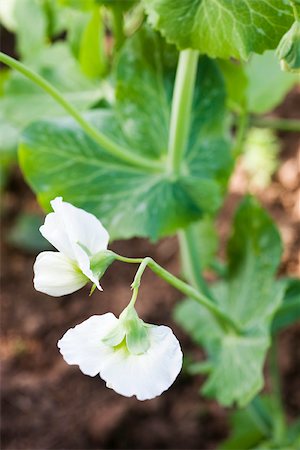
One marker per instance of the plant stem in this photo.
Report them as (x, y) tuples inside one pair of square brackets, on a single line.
[(181, 109), (225, 321), (108, 145), (276, 124), (191, 258), (279, 416)]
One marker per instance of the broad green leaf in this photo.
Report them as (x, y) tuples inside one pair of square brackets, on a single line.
[(221, 28), (289, 311), (132, 201), (23, 102), (252, 297), (267, 83)]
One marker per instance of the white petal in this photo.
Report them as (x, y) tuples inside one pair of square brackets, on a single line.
[(148, 375), (56, 275), (69, 225), (83, 262), (83, 344)]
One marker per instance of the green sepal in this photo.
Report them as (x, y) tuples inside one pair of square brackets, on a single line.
[(137, 335), (101, 261), (288, 50)]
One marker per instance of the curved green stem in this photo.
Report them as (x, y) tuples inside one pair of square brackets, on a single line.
[(108, 145), (225, 321), (191, 258), (276, 124), (181, 109)]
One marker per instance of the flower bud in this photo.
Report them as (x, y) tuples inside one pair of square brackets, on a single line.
[(288, 50)]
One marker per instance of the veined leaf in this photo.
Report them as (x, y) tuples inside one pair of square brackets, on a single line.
[(221, 28), (132, 201), (252, 296)]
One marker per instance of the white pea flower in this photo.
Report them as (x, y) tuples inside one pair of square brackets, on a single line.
[(82, 255), (134, 358)]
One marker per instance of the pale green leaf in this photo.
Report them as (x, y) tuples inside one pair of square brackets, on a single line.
[(221, 28)]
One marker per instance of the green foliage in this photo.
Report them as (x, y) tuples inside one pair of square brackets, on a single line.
[(221, 28), (252, 297), (25, 234), (267, 84), (92, 53), (23, 102), (289, 311), (257, 86), (288, 50), (130, 201), (255, 428)]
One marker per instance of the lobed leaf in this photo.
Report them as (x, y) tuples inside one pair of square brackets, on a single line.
[(221, 28)]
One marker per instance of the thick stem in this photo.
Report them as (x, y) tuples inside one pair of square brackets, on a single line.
[(276, 124), (224, 320), (181, 109), (107, 144), (191, 259)]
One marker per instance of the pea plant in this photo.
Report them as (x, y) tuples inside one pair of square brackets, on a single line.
[(129, 118)]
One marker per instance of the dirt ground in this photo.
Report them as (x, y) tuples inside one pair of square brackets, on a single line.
[(47, 404)]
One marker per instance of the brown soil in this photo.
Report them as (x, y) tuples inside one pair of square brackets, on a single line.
[(50, 405)]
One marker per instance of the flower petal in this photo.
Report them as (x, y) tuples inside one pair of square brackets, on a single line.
[(147, 375), (84, 264), (69, 225), (55, 274), (83, 344)]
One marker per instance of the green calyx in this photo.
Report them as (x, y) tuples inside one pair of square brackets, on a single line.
[(288, 50), (101, 261), (131, 333)]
